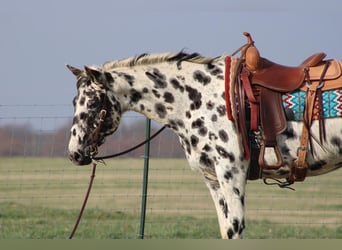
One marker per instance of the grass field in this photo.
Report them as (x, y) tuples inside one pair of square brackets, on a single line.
[(41, 197)]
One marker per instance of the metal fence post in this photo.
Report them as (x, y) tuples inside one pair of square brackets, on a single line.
[(145, 181)]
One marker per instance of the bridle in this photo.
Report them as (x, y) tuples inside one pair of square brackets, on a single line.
[(96, 136), (97, 133)]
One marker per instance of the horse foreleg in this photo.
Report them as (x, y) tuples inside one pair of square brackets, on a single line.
[(221, 209), (232, 182)]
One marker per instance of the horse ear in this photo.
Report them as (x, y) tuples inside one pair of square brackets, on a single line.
[(94, 74), (77, 72)]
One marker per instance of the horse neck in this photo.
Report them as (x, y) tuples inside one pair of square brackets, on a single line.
[(167, 91)]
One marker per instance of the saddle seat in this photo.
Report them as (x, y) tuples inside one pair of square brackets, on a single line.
[(282, 78), (278, 77)]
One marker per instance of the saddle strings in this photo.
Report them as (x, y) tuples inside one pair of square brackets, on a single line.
[(279, 183)]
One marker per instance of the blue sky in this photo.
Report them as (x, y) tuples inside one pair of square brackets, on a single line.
[(39, 37)]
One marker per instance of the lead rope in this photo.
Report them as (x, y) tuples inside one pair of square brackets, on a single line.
[(93, 176), (101, 158), (84, 202)]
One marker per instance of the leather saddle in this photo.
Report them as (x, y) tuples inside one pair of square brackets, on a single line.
[(263, 83)]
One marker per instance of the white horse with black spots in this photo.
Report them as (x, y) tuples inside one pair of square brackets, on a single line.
[(186, 93)]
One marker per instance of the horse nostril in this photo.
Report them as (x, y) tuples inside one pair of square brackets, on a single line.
[(79, 159), (77, 156)]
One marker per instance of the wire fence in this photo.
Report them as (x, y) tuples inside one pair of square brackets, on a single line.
[(41, 191)]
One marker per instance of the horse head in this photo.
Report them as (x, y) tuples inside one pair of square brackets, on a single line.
[(96, 114)]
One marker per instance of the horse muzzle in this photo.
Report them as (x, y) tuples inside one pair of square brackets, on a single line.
[(79, 159)]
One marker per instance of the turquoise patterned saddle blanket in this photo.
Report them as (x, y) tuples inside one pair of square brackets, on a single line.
[(294, 104)]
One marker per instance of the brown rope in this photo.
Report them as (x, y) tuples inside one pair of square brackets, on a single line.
[(84, 202), (93, 175), (101, 158)]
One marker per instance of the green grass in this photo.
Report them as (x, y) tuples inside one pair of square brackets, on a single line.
[(26, 222), (40, 198)]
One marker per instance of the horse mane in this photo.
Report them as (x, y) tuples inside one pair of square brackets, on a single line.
[(147, 59)]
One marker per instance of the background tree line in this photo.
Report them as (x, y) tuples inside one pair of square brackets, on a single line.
[(23, 140)]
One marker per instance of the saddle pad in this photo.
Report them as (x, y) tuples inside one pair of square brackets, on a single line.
[(294, 103)]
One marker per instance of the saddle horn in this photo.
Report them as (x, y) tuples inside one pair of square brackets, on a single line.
[(251, 53), (249, 38)]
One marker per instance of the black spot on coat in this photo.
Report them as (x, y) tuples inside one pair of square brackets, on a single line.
[(223, 135), (203, 131), (337, 142), (210, 105), (213, 69), (160, 110), (207, 148), (230, 233), (236, 225), (135, 96), (228, 175), (156, 93), (82, 101), (194, 140), (175, 124), (195, 97), (221, 110), (206, 161), (290, 133), (317, 165), (168, 97), (225, 154), (201, 77), (224, 206), (109, 77), (175, 83), (198, 123), (83, 116), (187, 146), (236, 191), (158, 78)]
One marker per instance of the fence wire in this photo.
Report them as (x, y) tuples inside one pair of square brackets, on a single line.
[(41, 191)]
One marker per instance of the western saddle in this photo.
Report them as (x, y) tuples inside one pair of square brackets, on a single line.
[(259, 86)]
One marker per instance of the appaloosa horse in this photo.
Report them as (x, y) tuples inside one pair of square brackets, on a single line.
[(186, 92)]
